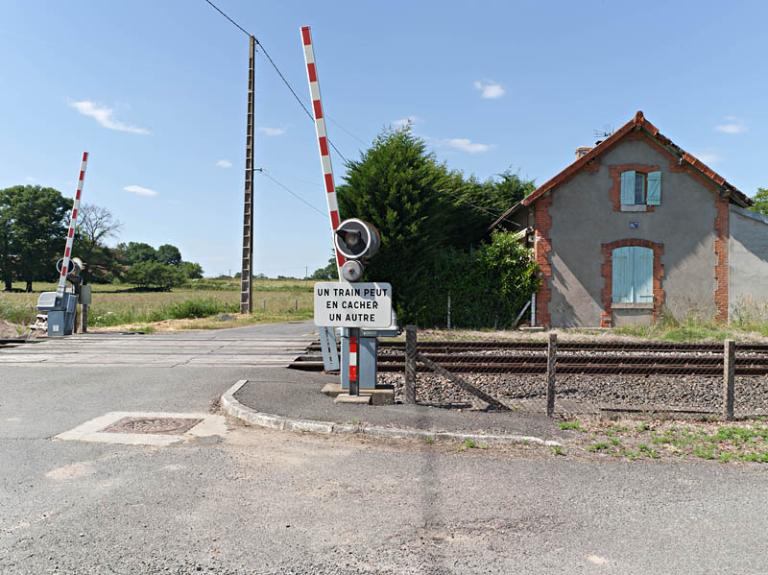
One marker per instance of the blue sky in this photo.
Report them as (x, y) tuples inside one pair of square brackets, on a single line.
[(156, 92)]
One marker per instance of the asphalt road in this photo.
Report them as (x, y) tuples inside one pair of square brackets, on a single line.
[(259, 501)]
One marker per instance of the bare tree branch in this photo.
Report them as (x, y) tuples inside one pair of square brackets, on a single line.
[(97, 224)]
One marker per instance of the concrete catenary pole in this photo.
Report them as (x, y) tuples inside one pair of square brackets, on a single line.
[(246, 270)]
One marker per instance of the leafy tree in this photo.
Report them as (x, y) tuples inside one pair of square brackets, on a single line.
[(329, 272), (761, 201), (479, 204), (168, 254), (149, 274), (396, 186), (513, 271), (434, 230), (33, 220), (488, 286), (6, 254), (136, 252), (191, 270)]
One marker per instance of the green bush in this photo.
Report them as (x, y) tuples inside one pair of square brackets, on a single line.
[(155, 274), (18, 314), (488, 286), (195, 308)]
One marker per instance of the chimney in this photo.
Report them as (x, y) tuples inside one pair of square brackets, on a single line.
[(582, 151)]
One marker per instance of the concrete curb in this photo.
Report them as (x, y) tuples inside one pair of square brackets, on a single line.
[(249, 416)]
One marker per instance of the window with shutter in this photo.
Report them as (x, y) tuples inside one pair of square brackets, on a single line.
[(627, 188), (654, 189), (640, 189), (640, 180), (632, 276)]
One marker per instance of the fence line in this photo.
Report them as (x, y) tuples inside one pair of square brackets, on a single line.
[(492, 370)]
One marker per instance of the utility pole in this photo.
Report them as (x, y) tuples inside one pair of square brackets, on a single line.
[(246, 273)]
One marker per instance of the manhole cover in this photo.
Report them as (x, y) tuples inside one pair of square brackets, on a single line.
[(153, 425)]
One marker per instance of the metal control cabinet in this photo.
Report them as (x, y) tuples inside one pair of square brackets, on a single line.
[(60, 311), (367, 352)]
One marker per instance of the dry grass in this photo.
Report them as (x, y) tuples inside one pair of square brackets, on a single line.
[(116, 306)]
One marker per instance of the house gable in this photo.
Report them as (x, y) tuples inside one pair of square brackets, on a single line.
[(678, 159), (581, 221)]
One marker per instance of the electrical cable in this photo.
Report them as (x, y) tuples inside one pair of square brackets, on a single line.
[(294, 194), (477, 207), (282, 76), (220, 11)]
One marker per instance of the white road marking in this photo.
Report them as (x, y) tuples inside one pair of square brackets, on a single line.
[(159, 351)]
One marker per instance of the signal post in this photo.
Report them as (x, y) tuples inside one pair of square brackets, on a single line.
[(363, 310)]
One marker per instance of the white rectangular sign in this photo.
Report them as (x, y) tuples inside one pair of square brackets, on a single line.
[(342, 304)]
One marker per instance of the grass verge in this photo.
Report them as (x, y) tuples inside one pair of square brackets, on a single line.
[(119, 306), (745, 441)]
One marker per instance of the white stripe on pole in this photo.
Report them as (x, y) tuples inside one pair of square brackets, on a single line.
[(72, 226)]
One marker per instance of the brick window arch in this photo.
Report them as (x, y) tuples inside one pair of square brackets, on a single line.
[(607, 272)]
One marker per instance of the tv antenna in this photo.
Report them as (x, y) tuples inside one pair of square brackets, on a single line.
[(606, 132)]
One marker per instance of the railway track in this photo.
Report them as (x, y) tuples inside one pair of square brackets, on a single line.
[(663, 347), (605, 358), (13, 342)]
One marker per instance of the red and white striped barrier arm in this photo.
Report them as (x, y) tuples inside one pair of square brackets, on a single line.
[(72, 225), (322, 136)]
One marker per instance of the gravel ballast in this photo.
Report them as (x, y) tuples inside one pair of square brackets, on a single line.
[(692, 392)]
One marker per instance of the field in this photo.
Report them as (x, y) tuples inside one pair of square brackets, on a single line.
[(205, 304)]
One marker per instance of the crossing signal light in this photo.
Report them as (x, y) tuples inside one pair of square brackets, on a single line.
[(357, 241)]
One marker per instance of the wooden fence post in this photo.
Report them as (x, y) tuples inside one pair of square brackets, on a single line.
[(551, 362), (410, 364), (729, 372)]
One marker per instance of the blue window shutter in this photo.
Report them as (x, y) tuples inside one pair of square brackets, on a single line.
[(627, 188), (642, 274), (622, 275), (654, 189)]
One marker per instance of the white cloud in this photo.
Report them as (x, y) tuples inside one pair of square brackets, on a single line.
[(731, 128), (732, 125), (272, 131), (223, 164), (30, 179), (467, 145), (489, 89), (709, 157), (407, 121), (104, 116), (140, 191)]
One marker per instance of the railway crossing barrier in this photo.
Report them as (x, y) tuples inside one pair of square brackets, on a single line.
[(60, 306)]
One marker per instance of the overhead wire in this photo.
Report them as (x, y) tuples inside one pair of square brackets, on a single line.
[(282, 77), (294, 194), (311, 117), (220, 11), (456, 196)]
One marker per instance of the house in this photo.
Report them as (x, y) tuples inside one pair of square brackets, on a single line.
[(635, 227)]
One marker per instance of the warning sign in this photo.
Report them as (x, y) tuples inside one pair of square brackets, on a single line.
[(341, 304)]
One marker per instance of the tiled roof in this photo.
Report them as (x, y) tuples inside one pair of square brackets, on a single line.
[(637, 123)]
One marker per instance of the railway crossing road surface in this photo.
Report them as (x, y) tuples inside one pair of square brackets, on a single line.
[(247, 500), (273, 345)]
